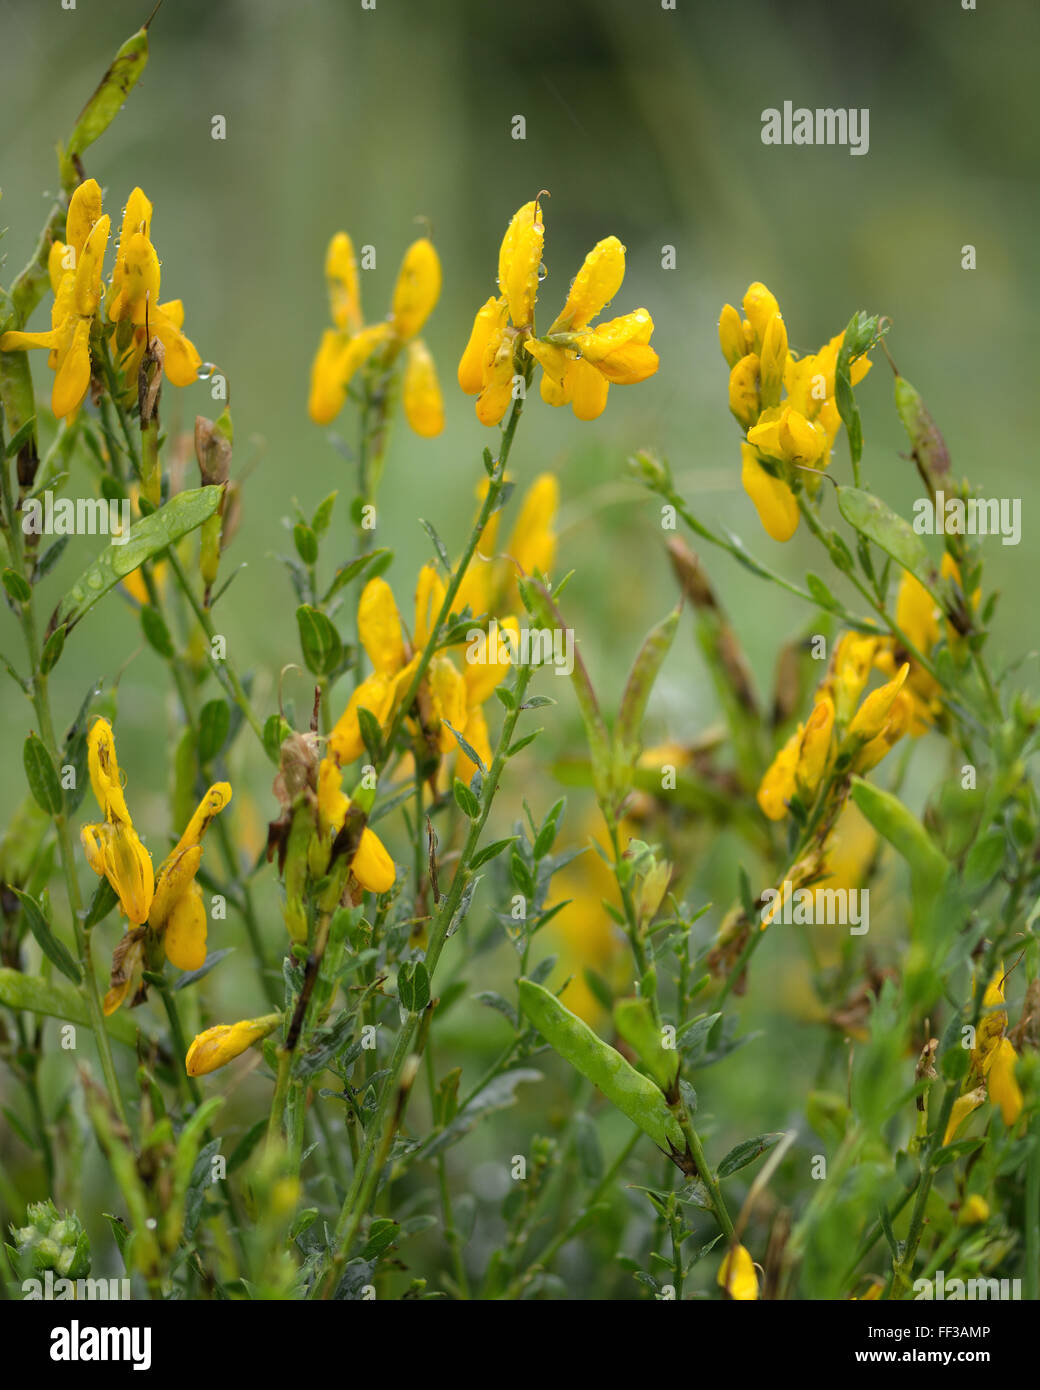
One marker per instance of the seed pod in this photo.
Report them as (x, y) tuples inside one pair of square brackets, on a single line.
[(930, 452), (633, 1094), (634, 1020)]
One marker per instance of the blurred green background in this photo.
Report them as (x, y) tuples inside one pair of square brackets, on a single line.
[(641, 122)]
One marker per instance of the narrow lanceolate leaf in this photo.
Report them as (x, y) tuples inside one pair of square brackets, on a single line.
[(894, 535), (628, 733), (47, 941), (147, 538), (746, 1152), (861, 334), (41, 775), (56, 999), (633, 1094), (214, 723)]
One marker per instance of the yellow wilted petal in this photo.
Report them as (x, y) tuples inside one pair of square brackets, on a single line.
[(103, 766), (225, 1041), (519, 260), (595, 285), (418, 288), (341, 274), (423, 404), (175, 877), (774, 501), (185, 937), (372, 866), (379, 627), (206, 812), (488, 323), (84, 211), (737, 1275), (114, 997), (128, 868), (1004, 1090)]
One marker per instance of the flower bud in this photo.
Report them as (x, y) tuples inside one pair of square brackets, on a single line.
[(418, 288), (744, 399), (221, 1044), (732, 339)]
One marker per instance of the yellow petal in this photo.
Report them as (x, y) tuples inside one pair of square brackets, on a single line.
[(429, 596), (92, 839), (423, 404), (379, 627), (870, 718), (519, 261), (814, 750), (532, 543), (1004, 1090), (87, 281), (774, 501), (344, 291), (744, 400), (185, 937), (497, 394), (176, 875), (732, 340), (372, 866), (488, 323), (103, 766), (448, 694), (72, 379), (328, 387), (333, 803), (962, 1108), (482, 677), (375, 694), (737, 1275), (760, 308), (225, 1041), (588, 390), (778, 784), (211, 805), (84, 211), (418, 288), (128, 868), (594, 286)]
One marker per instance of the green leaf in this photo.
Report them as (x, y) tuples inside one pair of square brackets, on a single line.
[(41, 775), (746, 1152), (52, 650), (322, 648), (628, 734), (156, 633), (323, 514), (438, 545), (306, 543), (20, 437), (214, 723), (413, 986), (490, 851), (466, 801), (356, 567), (48, 942), (146, 539), (894, 535), (101, 904), (16, 585)]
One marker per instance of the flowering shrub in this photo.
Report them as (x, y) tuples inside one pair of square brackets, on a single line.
[(414, 819)]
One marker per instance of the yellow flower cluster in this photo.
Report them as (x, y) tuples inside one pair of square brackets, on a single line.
[(169, 905), (446, 696), (75, 267), (348, 345), (579, 361), (782, 432), (839, 726), (993, 1059)]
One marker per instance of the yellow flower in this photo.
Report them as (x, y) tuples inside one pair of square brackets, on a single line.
[(169, 904), (873, 713), (578, 361), (778, 785), (814, 750), (774, 501), (133, 299), (974, 1210), (371, 865), (113, 848), (738, 1276), (221, 1044), (1004, 1090), (75, 270), (796, 432), (346, 347)]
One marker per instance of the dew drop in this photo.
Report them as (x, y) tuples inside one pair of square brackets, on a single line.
[(206, 370), (542, 271)]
